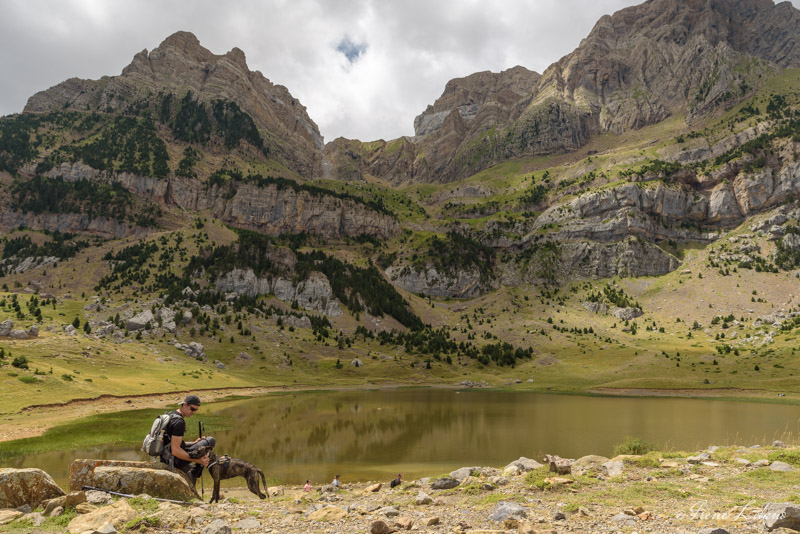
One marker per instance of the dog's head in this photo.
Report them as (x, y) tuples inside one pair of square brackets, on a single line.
[(202, 451)]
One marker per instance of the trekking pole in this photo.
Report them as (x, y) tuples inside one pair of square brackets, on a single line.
[(199, 437), (127, 496)]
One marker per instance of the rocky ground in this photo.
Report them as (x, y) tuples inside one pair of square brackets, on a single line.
[(722, 489)]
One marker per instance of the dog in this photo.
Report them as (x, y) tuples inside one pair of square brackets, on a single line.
[(225, 467)]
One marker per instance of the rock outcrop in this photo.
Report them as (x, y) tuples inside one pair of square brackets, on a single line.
[(159, 483), (429, 281), (116, 515), (180, 64), (19, 487)]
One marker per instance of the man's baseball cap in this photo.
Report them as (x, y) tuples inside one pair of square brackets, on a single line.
[(192, 400)]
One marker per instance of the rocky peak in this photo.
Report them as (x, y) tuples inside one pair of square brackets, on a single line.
[(180, 64)]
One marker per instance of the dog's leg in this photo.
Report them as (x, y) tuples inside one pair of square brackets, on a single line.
[(264, 480), (252, 482)]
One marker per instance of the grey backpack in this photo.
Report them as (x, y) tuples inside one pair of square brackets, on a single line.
[(153, 443)]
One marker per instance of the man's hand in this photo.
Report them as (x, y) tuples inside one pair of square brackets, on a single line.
[(204, 461)]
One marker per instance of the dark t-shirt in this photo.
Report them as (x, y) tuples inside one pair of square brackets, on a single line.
[(175, 427)]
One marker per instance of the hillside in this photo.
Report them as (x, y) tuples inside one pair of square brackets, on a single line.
[(170, 228)]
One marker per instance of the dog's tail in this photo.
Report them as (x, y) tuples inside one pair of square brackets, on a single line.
[(264, 480)]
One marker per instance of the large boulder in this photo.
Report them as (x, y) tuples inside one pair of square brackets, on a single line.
[(781, 515), (464, 472), (6, 327), (587, 464), (508, 510), (81, 472), (19, 487), (136, 480), (166, 316), (139, 321), (524, 465), (444, 483), (116, 515)]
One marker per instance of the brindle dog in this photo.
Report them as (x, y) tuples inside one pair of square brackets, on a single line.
[(225, 467)]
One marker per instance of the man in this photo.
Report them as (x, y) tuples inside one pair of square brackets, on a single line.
[(396, 482), (176, 450)]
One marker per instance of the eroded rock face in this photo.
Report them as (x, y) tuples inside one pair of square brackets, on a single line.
[(116, 514), (429, 281), (314, 293), (137, 480), (19, 487)]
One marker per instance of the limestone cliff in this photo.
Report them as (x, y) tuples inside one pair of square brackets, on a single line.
[(181, 64)]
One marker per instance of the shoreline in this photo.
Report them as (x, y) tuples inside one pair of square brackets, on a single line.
[(34, 420)]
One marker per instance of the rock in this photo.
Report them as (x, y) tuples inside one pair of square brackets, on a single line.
[(702, 457), (781, 515), (7, 516), (31, 487), (166, 317), (19, 334), (137, 480), (6, 327), (562, 466), (98, 497), (781, 466), (713, 530), (625, 519), (35, 518), (587, 464), (499, 481), (423, 498), (381, 527), (116, 514), (511, 471), (140, 320), (389, 511), (626, 314), (373, 488), (86, 508), (70, 500), (249, 523), (461, 283), (559, 516), (195, 350), (464, 472), (444, 483), (56, 512), (432, 521), (70, 330), (761, 463), (778, 443), (524, 465), (218, 526), (404, 523), (613, 468), (508, 510), (33, 331), (328, 513), (356, 363), (743, 461)]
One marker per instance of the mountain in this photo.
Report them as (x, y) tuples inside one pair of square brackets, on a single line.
[(181, 66), (636, 68)]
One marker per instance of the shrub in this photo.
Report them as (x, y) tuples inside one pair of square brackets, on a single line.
[(20, 362), (633, 446)]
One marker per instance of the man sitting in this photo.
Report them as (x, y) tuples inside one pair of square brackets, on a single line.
[(178, 453)]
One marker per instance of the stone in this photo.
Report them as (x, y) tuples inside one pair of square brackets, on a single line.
[(381, 527), (70, 500), (195, 350), (781, 515), (357, 363), (33, 331), (116, 514), (525, 527), (137, 480), (19, 334), (702, 457), (56, 512), (444, 483), (35, 518), (508, 510), (778, 443), (464, 472), (404, 523), (524, 465), (613, 468), (625, 519), (328, 513), (6, 327), (98, 497), (587, 464), (626, 314), (7, 516), (432, 521), (423, 498), (373, 488), (140, 320), (559, 516), (781, 466), (106, 529), (389, 511), (713, 530), (31, 487), (743, 461), (561, 466), (86, 508), (218, 526)]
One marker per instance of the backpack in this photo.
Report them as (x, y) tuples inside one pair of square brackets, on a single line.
[(153, 443)]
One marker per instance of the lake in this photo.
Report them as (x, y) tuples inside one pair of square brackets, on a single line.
[(373, 435)]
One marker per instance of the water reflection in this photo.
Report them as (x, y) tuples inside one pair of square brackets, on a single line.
[(372, 435)]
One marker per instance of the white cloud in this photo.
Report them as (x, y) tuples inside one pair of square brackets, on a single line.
[(404, 51)]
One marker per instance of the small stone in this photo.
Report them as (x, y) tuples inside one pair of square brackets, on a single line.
[(669, 464), (743, 461), (249, 523), (584, 512), (404, 523), (56, 512), (7, 516), (778, 444), (35, 518), (380, 527), (781, 466), (423, 498), (713, 530), (218, 526), (559, 516), (508, 510), (431, 521), (638, 510), (390, 511), (702, 457), (444, 483), (85, 508), (373, 488)]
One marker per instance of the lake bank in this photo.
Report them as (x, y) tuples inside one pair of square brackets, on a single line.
[(657, 492)]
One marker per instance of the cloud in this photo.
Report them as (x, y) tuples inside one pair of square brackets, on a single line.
[(363, 68)]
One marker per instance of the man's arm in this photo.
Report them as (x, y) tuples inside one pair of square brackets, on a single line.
[(178, 452)]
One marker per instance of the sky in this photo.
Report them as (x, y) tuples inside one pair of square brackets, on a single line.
[(363, 68)]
